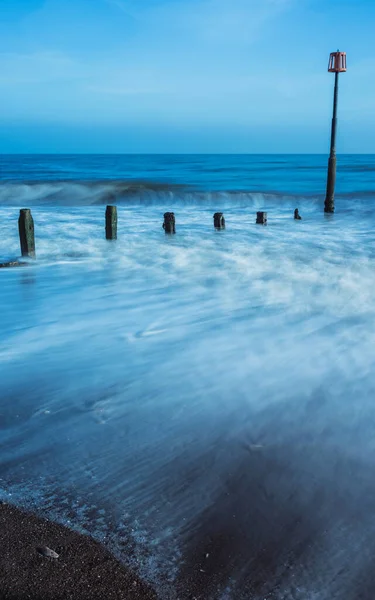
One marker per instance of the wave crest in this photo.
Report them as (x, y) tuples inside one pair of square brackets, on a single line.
[(88, 193)]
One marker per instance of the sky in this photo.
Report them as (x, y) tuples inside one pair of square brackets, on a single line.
[(176, 76)]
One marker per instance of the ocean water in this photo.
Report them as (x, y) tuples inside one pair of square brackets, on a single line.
[(201, 403)]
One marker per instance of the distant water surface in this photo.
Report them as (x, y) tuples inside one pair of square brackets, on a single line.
[(90, 179)]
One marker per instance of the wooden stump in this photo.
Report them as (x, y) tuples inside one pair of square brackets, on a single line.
[(26, 232), (219, 221), (111, 223), (169, 224), (261, 218)]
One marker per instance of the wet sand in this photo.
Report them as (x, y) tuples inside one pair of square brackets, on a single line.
[(84, 570)]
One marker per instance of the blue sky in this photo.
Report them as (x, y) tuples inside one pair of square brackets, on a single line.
[(184, 75)]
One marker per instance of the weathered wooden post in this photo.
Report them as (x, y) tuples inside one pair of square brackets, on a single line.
[(169, 224), (297, 216), (111, 223), (337, 64), (219, 221), (26, 232), (261, 218)]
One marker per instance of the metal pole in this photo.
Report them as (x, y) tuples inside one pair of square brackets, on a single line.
[(329, 204)]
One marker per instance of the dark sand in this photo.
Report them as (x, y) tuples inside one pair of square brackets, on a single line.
[(85, 570)]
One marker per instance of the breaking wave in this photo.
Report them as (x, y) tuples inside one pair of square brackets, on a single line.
[(132, 193)]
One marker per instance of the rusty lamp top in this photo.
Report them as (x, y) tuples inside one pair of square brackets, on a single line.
[(337, 62)]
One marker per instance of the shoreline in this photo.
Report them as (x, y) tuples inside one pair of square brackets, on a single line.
[(84, 570)]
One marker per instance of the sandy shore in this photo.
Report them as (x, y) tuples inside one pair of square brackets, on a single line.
[(84, 569)]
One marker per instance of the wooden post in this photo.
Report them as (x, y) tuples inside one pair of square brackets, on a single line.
[(261, 218), (111, 223), (26, 231), (169, 224), (219, 221)]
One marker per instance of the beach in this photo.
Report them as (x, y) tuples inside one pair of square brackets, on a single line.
[(84, 569)]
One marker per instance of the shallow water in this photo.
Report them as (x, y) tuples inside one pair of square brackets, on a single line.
[(203, 403)]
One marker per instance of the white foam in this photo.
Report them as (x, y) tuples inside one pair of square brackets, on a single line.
[(161, 358)]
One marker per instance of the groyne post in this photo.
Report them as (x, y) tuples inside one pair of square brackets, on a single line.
[(111, 223), (261, 218), (169, 224), (219, 221), (26, 233), (337, 64)]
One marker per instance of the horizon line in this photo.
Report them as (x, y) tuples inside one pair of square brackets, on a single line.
[(184, 153)]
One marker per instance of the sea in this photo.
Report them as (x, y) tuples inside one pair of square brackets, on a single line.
[(201, 403)]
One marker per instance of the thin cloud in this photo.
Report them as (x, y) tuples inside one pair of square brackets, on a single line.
[(123, 91), (125, 7), (37, 67), (205, 20)]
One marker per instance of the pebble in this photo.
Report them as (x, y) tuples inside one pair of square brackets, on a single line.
[(47, 552)]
